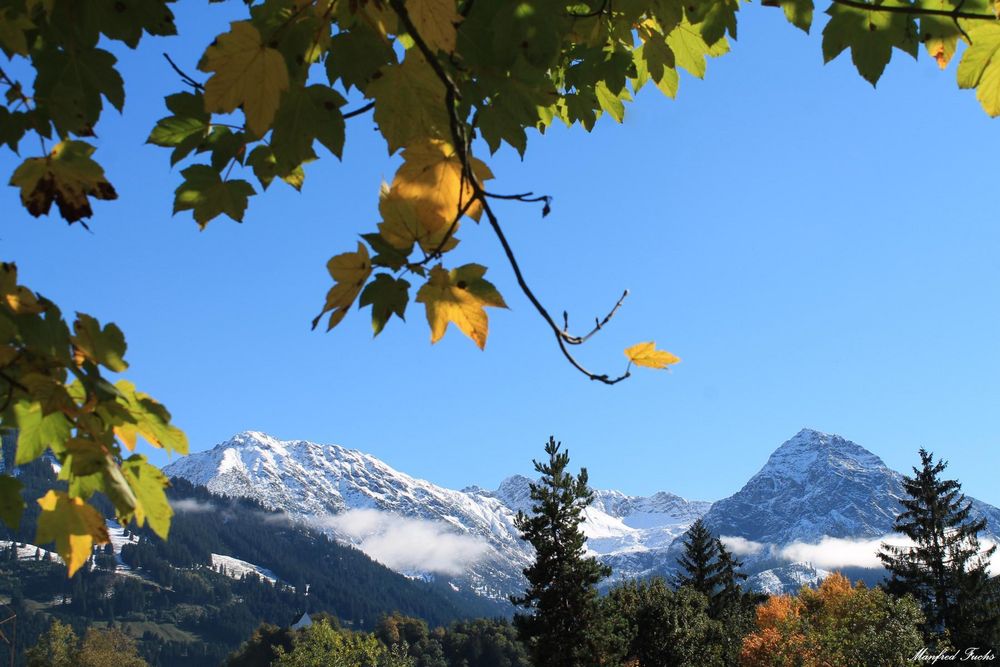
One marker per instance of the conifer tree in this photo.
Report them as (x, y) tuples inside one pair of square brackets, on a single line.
[(709, 568), (563, 628), (729, 594), (946, 568), (700, 561)]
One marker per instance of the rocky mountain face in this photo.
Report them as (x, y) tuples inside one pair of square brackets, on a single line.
[(815, 486), (382, 511)]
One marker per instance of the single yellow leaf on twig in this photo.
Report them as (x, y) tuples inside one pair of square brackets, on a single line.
[(349, 270), (73, 525), (431, 178), (459, 296), (247, 73), (646, 354)]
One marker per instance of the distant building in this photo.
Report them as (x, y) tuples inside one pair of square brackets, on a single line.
[(303, 622)]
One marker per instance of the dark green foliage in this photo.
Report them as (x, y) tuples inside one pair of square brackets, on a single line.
[(261, 649), (709, 568), (657, 626), (564, 625), (701, 569), (946, 569)]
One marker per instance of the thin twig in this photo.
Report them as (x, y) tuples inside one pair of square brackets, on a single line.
[(181, 73), (916, 10), (359, 111)]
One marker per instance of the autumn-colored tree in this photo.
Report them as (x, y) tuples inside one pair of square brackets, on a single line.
[(55, 648), (107, 648), (446, 81), (322, 645), (836, 624)]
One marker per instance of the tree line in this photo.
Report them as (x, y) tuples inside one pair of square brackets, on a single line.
[(938, 600)]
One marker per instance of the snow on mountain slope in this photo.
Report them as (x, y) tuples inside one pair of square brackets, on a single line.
[(818, 485), (330, 486), (816, 494)]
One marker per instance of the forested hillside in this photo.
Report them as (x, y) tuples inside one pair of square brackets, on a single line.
[(169, 595)]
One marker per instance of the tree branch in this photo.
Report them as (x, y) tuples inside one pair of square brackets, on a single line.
[(956, 13), (184, 76), (359, 111), (461, 144)]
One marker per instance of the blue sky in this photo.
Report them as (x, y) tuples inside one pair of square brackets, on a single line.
[(818, 253)]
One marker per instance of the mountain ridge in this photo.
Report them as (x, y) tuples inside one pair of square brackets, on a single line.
[(814, 486)]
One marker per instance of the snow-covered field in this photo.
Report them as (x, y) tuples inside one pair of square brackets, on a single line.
[(236, 568)]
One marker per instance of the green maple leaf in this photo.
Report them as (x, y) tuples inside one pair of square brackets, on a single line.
[(387, 296), (871, 36), (11, 503), (307, 114), (70, 85), (208, 196)]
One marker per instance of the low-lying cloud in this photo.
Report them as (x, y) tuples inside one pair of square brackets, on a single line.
[(191, 505), (831, 553), (741, 546), (407, 544)]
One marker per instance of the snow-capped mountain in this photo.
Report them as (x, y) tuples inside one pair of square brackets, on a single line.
[(819, 485), (814, 487), (354, 495)]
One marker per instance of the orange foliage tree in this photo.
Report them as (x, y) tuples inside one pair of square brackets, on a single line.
[(836, 624)]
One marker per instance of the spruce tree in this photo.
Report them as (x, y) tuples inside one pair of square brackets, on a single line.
[(563, 628), (946, 568), (730, 594), (709, 568), (700, 567)]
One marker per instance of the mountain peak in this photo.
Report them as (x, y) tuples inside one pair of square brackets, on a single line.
[(809, 450)]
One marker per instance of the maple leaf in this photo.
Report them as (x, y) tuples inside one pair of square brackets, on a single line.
[(246, 73), (431, 178), (387, 296), (73, 525), (105, 346), (67, 176), (401, 227), (148, 484), (349, 270), (11, 503), (409, 103), (980, 67), (459, 296), (208, 196), (147, 418), (646, 354), (435, 20)]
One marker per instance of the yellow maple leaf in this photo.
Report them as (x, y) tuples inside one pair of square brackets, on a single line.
[(435, 20), (459, 296), (247, 73), (431, 178), (349, 270), (646, 354), (73, 525), (401, 228)]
